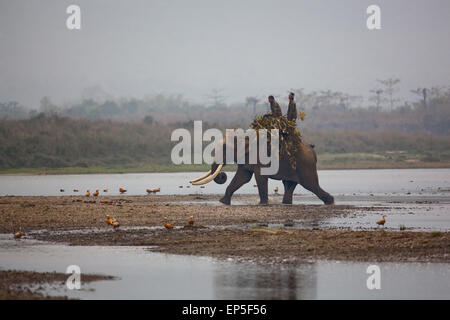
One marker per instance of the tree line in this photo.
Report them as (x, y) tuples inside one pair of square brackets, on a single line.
[(325, 110), (55, 142)]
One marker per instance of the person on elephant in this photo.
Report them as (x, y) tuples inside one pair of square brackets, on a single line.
[(292, 108), (274, 107)]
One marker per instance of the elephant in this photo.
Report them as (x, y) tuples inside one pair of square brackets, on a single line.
[(304, 174)]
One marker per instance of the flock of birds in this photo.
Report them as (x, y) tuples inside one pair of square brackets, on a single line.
[(115, 224), (121, 191), (149, 191), (169, 226)]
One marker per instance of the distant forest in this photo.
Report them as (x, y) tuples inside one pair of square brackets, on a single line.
[(105, 132), (326, 110)]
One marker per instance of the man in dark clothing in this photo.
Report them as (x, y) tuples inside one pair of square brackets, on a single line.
[(292, 109), (274, 107)]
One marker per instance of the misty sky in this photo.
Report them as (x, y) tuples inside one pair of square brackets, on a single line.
[(136, 48)]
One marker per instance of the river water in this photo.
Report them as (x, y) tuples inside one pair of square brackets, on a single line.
[(416, 198), (395, 182), (143, 274)]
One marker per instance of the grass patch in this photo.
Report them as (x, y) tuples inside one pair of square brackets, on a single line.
[(380, 160)]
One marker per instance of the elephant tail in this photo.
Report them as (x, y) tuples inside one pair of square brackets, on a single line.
[(314, 152)]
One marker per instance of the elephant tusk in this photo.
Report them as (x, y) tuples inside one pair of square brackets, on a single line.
[(210, 178), (202, 177)]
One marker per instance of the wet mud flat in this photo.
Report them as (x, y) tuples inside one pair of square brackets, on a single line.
[(18, 285), (274, 246), (71, 212), (243, 231)]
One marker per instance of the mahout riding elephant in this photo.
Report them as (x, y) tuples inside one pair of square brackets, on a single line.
[(304, 173)]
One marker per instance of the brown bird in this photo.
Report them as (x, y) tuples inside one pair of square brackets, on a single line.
[(105, 190), (122, 190), (149, 191), (382, 221), (156, 190), (88, 193), (191, 221), (180, 187), (61, 190), (115, 224), (76, 190), (95, 194), (18, 234), (276, 189), (167, 224), (108, 220)]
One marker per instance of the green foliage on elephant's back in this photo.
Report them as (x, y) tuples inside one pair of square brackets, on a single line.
[(290, 136)]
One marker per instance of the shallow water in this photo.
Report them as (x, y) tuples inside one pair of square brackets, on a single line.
[(418, 199), (336, 182), (147, 275)]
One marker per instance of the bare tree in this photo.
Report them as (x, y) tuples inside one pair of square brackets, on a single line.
[(216, 97), (252, 102), (376, 97), (423, 93), (48, 107), (346, 100), (390, 89)]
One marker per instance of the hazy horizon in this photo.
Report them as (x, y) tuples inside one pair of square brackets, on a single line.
[(138, 48)]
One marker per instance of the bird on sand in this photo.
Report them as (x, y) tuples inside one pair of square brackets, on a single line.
[(115, 224), (191, 221), (202, 187), (95, 194), (88, 193), (167, 224), (76, 190), (108, 220), (105, 190), (180, 187), (156, 190), (61, 190), (122, 190), (18, 234), (382, 221), (149, 191)]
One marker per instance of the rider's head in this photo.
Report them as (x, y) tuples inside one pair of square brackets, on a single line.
[(271, 99)]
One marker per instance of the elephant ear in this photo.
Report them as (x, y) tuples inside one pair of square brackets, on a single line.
[(221, 178)]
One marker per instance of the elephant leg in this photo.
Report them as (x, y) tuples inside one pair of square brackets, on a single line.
[(262, 182), (241, 177), (310, 181), (289, 187)]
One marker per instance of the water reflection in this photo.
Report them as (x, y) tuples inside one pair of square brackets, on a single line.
[(275, 282), (147, 275)]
